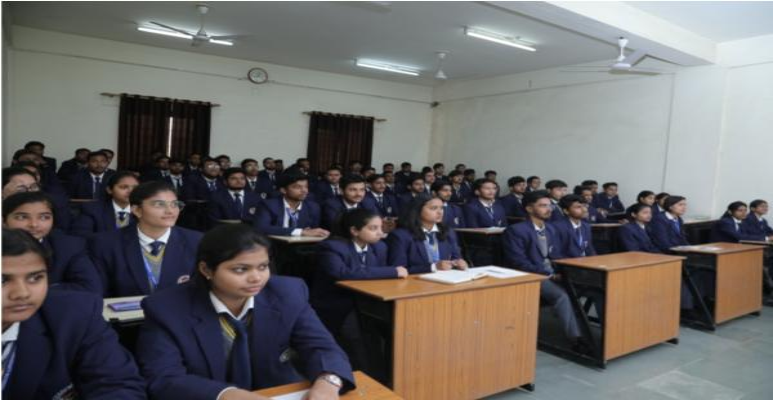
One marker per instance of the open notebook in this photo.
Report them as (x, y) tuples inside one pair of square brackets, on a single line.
[(454, 276)]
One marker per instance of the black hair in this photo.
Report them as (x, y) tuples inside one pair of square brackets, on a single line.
[(350, 180), (410, 219), (489, 172), (22, 152), (351, 163), (389, 164), (469, 171), (17, 242), (81, 149), (426, 169), (209, 159), (374, 178), (754, 204), (531, 179), (231, 171), (10, 172), (568, 200), (365, 169), (112, 153), (333, 168), (643, 194), (661, 196), (159, 158), (286, 180), (11, 203), (223, 156), (608, 185), (116, 177), (438, 185), (356, 217), (532, 197), (671, 200), (223, 243), (555, 183), (414, 178), (455, 173), (515, 180), (176, 161), (480, 182), (247, 161), (437, 165), (97, 154), (635, 209), (300, 160), (733, 207), (581, 188), (405, 164), (589, 182), (34, 143), (147, 190)]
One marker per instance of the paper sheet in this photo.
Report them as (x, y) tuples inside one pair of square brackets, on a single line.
[(291, 396)]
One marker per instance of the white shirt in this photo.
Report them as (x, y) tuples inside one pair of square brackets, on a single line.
[(286, 220), (349, 206), (575, 226), (359, 249), (435, 230), (221, 308), (485, 203), (100, 176), (669, 216), (117, 209), (12, 333), (234, 192), (146, 240), (176, 178)]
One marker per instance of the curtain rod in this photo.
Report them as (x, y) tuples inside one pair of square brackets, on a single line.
[(153, 97), (344, 115)]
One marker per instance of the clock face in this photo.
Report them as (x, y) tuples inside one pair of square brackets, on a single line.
[(257, 75)]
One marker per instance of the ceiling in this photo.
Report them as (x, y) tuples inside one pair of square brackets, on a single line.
[(719, 21), (328, 36)]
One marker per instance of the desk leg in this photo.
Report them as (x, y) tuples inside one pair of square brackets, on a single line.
[(528, 387), (705, 316), (377, 325)]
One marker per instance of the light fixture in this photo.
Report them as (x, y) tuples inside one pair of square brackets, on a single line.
[(398, 69), (441, 55), (163, 32), (498, 38), (223, 42)]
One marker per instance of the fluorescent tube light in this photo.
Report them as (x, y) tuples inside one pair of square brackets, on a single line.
[(497, 38), (398, 69), (223, 42), (163, 32)]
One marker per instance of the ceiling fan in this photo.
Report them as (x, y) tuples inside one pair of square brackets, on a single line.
[(622, 65), (198, 38), (439, 74)]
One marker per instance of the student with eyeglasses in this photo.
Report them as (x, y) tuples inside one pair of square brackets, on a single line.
[(151, 255)]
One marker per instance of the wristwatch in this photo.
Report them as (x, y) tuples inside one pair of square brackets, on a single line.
[(332, 379)]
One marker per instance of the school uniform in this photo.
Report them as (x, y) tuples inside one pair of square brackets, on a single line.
[(70, 268), (155, 174), (576, 240), (274, 218), (731, 230), (530, 249), (263, 188), (61, 208), (390, 189), (49, 165), (468, 193), (556, 213), (478, 215), (402, 179), (385, 203), (323, 190), (634, 237), (191, 170), (270, 177), (513, 205), (344, 260), (70, 168), (67, 350), (131, 265), (186, 345), (199, 187), (233, 204), (593, 215), (421, 255), (101, 216), (177, 182), (458, 195), (613, 205), (85, 185), (453, 216), (755, 225), (335, 206)]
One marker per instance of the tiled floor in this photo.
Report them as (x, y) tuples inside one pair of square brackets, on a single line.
[(734, 362)]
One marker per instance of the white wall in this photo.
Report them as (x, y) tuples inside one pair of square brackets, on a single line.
[(57, 80)]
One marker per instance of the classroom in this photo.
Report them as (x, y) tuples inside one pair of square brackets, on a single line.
[(419, 200)]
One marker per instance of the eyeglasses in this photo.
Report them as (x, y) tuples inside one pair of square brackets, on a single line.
[(31, 188), (161, 204)]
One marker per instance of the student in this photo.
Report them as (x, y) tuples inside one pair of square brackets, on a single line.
[(269, 173), (71, 267), (355, 167), (160, 170), (56, 344), (25, 177), (586, 192), (460, 193), (453, 216), (367, 172), (303, 166), (199, 187), (513, 201), (240, 328), (468, 182), (573, 231), (291, 214), (755, 223), (90, 183), (110, 155), (609, 202), (19, 180), (490, 175), (415, 187), (109, 215), (330, 187), (153, 254), (279, 166), (422, 243), (193, 166), (402, 177), (176, 177), (388, 168), (233, 203), (262, 187), (72, 166), (660, 199), (646, 197), (634, 236), (352, 196), (224, 161), (593, 185), (355, 253), (389, 180), (730, 227), (49, 163), (386, 203), (533, 183), (440, 172), (484, 211), (556, 190), (429, 179), (532, 246)]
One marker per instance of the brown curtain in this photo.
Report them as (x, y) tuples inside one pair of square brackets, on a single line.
[(337, 138), (190, 128), (142, 129)]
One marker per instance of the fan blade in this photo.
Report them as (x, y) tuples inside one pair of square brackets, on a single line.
[(591, 67), (633, 72), (634, 57), (229, 37), (582, 71), (173, 29)]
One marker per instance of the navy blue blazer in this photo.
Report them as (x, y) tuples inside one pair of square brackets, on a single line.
[(71, 268), (453, 216), (94, 217), (570, 245), (119, 259), (519, 244), (406, 251), (338, 260), (263, 175), (476, 216), (270, 217), (724, 231), (263, 188), (168, 179), (633, 238), (221, 206), (405, 199), (664, 234), (613, 205), (62, 207), (593, 215), (68, 169), (335, 206), (755, 226), (513, 206), (67, 348), (322, 191), (459, 196), (81, 185), (389, 206), (195, 187), (556, 213), (180, 346)]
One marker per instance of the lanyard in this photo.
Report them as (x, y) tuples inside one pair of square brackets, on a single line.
[(9, 365), (149, 270)]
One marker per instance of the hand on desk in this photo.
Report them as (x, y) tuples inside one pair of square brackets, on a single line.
[(322, 390), (460, 264), (402, 272), (444, 265), (315, 232)]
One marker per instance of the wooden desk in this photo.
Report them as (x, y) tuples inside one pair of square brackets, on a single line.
[(449, 342), (605, 237), (295, 255), (367, 389), (767, 272), (641, 301), (737, 269), (481, 246)]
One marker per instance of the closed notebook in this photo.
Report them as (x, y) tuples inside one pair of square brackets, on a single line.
[(452, 277)]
